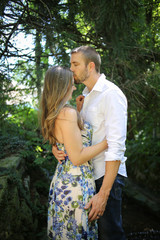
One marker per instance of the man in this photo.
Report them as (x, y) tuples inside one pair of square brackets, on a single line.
[(104, 106)]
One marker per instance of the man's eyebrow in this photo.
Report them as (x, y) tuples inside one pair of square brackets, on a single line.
[(74, 62)]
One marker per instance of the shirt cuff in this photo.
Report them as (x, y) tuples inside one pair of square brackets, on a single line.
[(109, 156)]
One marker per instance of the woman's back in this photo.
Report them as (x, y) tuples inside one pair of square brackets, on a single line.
[(70, 190)]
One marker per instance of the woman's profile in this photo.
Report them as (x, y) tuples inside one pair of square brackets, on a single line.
[(73, 184)]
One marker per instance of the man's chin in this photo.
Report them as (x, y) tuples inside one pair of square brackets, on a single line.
[(76, 81)]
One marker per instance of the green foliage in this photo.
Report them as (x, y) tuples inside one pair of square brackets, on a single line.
[(143, 147), (126, 34), (143, 162), (21, 134), (5, 88), (10, 144)]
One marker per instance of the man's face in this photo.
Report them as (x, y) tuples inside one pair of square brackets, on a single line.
[(79, 68)]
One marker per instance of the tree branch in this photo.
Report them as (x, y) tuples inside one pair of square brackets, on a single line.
[(10, 35)]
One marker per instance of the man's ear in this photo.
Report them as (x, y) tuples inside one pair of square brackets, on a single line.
[(91, 66)]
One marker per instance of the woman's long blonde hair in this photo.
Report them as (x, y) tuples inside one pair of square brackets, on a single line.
[(56, 90)]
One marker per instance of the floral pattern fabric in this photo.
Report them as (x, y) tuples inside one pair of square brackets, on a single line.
[(70, 190)]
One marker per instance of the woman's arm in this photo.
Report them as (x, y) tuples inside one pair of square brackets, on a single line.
[(72, 139)]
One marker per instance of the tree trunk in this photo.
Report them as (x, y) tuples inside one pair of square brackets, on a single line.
[(38, 54)]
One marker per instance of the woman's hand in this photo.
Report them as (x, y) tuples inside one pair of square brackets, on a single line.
[(79, 102), (59, 155)]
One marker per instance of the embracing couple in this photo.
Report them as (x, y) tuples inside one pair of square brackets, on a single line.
[(89, 143)]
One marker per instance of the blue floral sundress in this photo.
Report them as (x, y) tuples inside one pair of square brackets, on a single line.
[(71, 188)]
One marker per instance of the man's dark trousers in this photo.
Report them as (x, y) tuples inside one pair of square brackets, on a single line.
[(110, 224)]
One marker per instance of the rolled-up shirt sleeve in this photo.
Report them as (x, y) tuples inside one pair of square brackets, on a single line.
[(115, 125)]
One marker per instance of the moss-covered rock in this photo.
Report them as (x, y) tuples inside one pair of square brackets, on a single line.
[(20, 204), (143, 197)]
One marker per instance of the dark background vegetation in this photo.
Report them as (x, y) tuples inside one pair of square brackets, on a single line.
[(127, 36)]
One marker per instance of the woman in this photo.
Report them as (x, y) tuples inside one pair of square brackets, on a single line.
[(72, 185)]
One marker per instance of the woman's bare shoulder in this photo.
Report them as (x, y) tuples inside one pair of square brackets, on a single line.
[(67, 113)]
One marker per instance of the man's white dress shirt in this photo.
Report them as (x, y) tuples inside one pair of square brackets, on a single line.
[(105, 108)]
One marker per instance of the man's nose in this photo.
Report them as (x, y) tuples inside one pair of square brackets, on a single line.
[(71, 68)]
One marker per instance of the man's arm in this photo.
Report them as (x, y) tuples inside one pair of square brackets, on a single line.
[(115, 116), (99, 201)]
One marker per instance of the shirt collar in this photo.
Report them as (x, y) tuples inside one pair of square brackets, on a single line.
[(97, 87)]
